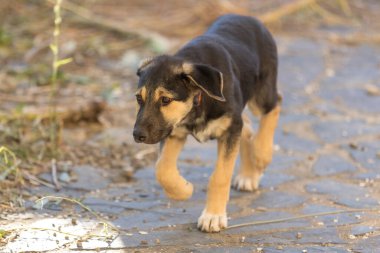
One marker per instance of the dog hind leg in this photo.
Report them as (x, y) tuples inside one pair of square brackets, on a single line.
[(256, 150)]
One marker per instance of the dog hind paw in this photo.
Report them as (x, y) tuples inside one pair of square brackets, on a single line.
[(208, 222), (244, 183)]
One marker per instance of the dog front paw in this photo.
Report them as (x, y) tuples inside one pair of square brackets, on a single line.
[(246, 183), (209, 222)]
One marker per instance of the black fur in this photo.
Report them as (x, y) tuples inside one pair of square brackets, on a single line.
[(240, 48)]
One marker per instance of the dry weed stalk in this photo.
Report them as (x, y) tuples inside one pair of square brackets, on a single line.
[(9, 164), (54, 46)]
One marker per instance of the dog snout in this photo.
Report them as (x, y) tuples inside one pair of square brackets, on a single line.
[(139, 135)]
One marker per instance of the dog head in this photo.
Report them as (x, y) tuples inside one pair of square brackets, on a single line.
[(167, 89)]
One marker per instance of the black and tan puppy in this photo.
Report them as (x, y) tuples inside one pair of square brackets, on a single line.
[(202, 90)]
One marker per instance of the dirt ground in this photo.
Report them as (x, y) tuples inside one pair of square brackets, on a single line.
[(106, 41)]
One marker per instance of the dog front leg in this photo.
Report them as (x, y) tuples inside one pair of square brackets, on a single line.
[(175, 186), (214, 216)]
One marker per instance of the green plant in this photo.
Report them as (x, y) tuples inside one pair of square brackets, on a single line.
[(8, 164), (56, 64)]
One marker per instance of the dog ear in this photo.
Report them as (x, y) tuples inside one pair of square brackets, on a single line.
[(143, 64), (207, 78)]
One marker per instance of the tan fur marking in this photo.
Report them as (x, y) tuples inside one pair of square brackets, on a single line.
[(175, 186), (161, 91), (142, 92), (254, 108), (179, 132), (263, 141), (256, 151), (187, 67), (214, 216), (214, 128), (220, 180), (176, 111)]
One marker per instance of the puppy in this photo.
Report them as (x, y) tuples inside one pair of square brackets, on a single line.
[(202, 91)]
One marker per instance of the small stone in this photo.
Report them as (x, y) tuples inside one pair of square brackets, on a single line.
[(74, 222), (298, 235), (143, 233), (351, 236), (304, 251), (144, 242), (330, 72), (67, 237), (242, 239), (64, 177), (357, 216), (259, 250), (353, 145), (320, 223), (280, 247), (372, 90), (157, 241), (79, 244), (335, 220)]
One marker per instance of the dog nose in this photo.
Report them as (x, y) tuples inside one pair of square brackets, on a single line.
[(139, 136)]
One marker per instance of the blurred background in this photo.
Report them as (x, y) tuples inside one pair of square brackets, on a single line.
[(106, 39)]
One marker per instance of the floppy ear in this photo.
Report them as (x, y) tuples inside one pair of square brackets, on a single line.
[(144, 63), (207, 78)]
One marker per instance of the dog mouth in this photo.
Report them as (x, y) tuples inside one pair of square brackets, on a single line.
[(161, 135)]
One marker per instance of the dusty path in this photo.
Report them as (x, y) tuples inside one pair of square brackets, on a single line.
[(327, 158)]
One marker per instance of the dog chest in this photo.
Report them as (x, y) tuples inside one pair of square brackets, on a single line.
[(213, 129)]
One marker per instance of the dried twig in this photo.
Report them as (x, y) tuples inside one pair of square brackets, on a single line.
[(285, 10), (355, 38), (70, 234), (105, 223), (328, 16), (31, 177), (54, 175), (16, 98), (345, 7), (302, 217)]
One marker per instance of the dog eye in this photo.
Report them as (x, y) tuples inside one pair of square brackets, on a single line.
[(166, 100), (139, 99)]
